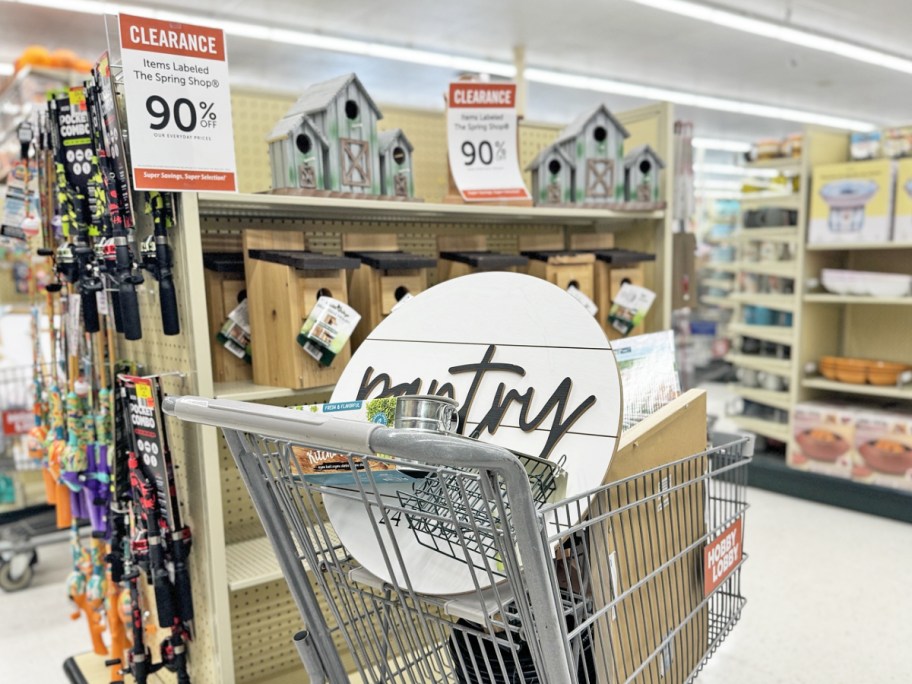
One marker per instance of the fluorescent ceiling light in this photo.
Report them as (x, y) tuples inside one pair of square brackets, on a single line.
[(291, 37), (456, 62), (732, 170), (645, 92), (723, 145), (6, 69), (781, 32)]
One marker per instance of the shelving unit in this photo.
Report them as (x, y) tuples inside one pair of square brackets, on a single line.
[(880, 391), (777, 163), (765, 428), (815, 298), (779, 334), (781, 367)]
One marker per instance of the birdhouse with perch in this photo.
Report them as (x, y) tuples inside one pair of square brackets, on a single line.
[(642, 174), (327, 141), (395, 152)]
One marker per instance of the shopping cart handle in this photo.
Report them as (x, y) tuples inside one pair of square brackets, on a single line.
[(337, 434)]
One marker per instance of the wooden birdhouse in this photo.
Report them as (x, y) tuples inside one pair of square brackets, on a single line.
[(553, 176), (614, 268), (283, 287), (384, 279), (455, 264), (564, 268), (226, 287), (327, 141), (642, 176), (593, 146), (395, 150)]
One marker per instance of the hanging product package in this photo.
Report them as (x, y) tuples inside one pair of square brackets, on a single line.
[(629, 307), (327, 329), (235, 332)]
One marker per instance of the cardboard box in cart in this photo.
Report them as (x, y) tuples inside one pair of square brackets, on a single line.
[(852, 203), (628, 547)]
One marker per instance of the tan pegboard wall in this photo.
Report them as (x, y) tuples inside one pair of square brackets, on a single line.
[(161, 354), (255, 113)]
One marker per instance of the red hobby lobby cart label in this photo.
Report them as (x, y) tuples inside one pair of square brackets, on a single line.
[(721, 556), (178, 105), (481, 140)]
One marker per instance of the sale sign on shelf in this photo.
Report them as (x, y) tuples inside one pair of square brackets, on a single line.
[(178, 105), (721, 556), (481, 140)]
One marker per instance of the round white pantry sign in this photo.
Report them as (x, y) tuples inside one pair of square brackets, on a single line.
[(532, 371)]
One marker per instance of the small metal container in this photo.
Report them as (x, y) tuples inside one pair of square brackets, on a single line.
[(426, 412)]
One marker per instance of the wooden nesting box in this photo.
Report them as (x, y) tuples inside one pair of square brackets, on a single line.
[(614, 268), (383, 279), (283, 287), (225, 289), (565, 268), (455, 264)]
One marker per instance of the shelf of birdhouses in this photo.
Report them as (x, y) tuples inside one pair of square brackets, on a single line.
[(256, 206)]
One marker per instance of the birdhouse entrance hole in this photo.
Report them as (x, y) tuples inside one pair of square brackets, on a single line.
[(303, 143), (351, 109), (600, 134), (554, 166), (398, 155)]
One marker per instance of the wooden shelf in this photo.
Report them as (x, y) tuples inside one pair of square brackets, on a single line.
[(779, 302), (766, 428), (761, 363), (776, 399), (885, 391), (253, 206), (714, 300), (248, 391), (858, 245), (780, 334), (771, 234), (857, 299), (792, 201), (783, 269), (784, 163)]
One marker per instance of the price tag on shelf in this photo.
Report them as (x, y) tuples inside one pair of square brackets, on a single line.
[(178, 105), (481, 141)]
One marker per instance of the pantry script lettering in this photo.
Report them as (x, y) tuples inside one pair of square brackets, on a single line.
[(555, 406)]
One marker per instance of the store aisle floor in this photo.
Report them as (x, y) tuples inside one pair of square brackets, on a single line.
[(827, 589), (828, 598)]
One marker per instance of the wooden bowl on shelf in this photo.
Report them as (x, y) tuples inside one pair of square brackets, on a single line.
[(854, 371), (885, 372), (827, 366)]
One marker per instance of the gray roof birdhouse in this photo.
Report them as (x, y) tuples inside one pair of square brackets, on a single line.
[(328, 140), (395, 152), (642, 175), (593, 149)]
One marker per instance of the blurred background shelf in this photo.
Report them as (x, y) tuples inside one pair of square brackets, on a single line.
[(883, 391), (779, 334), (774, 398), (761, 363)]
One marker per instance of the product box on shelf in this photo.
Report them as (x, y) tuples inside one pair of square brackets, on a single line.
[(329, 467), (852, 202), (823, 438), (902, 219), (883, 442)]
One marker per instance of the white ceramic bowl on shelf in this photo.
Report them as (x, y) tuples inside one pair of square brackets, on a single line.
[(866, 283)]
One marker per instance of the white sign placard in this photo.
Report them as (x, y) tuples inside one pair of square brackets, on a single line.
[(531, 370), (178, 105), (481, 141)]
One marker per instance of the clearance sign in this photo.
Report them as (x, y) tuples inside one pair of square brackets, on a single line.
[(178, 105), (481, 140)]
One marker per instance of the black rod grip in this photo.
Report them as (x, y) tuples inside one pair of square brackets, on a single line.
[(168, 298), (90, 311), (115, 307), (129, 311)]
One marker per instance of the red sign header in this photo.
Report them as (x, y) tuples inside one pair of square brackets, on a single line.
[(502, 95), (171, 38)]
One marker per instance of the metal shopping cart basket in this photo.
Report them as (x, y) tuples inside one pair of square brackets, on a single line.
[(606, 586)]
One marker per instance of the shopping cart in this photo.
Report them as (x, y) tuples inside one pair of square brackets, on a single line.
[(606, 586)]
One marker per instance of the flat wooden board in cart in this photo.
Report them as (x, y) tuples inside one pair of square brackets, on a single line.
[(532, 371), (635, 543)]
